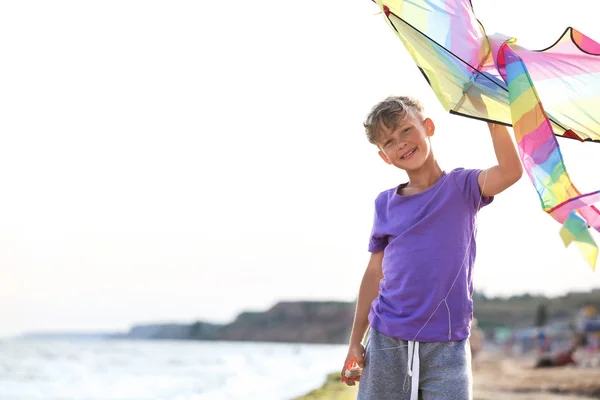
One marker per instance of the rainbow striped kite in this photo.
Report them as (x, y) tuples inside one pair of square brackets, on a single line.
[(464, 66)]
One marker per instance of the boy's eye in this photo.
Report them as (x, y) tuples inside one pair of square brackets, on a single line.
[(388, 143), (406, 130)]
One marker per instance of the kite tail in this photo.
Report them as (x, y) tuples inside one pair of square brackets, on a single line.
[(543, 161), (581, 204), (575, 230)]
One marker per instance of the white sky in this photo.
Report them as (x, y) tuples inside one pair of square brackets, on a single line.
[(174, 161)]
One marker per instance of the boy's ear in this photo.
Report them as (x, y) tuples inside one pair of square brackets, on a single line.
[(384, 157), (429, 126)]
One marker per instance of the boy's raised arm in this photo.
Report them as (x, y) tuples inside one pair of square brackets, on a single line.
[(509, 170)]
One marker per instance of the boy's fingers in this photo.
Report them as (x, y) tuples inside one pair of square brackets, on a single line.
[(360, 360), (343, 373)]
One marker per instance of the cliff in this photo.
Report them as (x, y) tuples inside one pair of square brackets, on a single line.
[(305, 322), (308, 322)]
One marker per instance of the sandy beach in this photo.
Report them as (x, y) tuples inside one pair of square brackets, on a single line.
[(498, 377)]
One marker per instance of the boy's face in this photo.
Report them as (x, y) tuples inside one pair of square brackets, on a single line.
[(407, 145)]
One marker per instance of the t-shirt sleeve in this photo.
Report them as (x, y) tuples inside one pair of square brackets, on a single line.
[(467, 182), (378, 239)]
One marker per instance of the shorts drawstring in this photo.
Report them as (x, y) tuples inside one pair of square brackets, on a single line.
[(413, 368)]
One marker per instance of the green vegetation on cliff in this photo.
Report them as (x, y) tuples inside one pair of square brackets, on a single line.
[(523, 310)]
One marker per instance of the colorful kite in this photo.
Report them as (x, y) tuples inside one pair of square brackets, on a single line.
[(494, 79)]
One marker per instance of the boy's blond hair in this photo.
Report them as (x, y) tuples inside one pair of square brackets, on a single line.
[(388, 113)]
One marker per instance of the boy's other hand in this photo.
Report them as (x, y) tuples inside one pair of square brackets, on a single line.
[(356, 358)]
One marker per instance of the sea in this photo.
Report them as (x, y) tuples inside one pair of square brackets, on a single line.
[(162, 370)]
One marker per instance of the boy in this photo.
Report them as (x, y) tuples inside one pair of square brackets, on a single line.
[(416, 293)]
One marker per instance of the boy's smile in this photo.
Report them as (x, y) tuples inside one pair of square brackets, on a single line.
[(406, 145), (409, 154)]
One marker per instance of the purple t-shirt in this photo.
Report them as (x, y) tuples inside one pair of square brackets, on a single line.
[(429, 249)]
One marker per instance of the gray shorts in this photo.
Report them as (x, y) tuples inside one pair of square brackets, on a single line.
[(443, 370)]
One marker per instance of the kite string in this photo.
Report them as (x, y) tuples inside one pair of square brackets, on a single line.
[(445, 299)]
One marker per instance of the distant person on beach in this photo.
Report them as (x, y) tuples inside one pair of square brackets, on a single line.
[(543, 343), (416, 292), (546, 359)]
